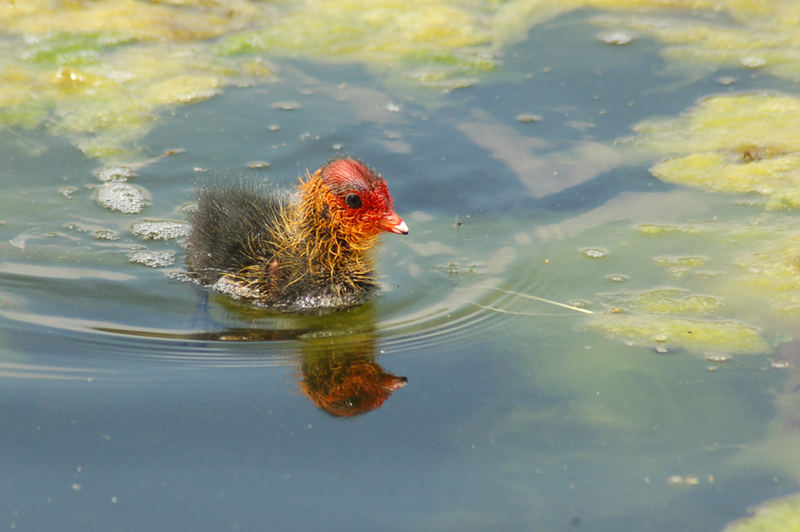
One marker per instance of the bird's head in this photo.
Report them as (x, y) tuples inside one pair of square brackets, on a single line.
[(358, 198)]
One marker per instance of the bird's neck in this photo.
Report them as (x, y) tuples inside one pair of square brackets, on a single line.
[(329, 245)]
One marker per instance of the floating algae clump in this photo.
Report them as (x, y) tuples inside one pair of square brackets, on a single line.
[(754, 34), (435, 43), (778, 515), (126, 63), (100, 73), (748, 143)]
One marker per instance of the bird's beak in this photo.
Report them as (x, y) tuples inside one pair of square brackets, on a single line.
[(395, 383), (394, 224)]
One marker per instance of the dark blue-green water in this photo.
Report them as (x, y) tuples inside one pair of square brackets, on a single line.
[(133, 399)]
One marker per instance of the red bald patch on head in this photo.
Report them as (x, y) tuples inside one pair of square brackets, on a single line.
[(348, 174), (373, 210)]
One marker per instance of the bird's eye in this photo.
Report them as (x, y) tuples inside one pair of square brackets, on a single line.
[(353, 201)]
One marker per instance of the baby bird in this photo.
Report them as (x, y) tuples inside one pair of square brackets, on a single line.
[(306, 253)]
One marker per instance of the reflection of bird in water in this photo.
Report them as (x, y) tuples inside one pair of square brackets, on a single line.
[(305, 254), (335, 354), (344, 380)]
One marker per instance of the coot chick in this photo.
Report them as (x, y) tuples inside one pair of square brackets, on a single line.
[(307, 252)]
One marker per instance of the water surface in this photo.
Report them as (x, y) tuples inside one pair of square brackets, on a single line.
[(133, 398)]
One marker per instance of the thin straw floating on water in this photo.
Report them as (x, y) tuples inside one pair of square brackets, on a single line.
[(543, 300), (503, 311)]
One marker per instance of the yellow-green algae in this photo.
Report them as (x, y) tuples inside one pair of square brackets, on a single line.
[(676, 318), (662, 229), (674, 301), (758, 260), (693, 335), (680, 266), (680, 262), (744, 143), (730, 276), (774, 271), (101, 73), (779, 515), (754, 34)]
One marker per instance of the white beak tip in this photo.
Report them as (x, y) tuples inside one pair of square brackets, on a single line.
[(400, 229)]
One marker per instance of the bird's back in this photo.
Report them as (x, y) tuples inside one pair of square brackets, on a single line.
[(234, 226)]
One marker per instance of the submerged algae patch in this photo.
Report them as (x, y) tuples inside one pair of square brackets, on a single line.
[(747, 143), (672, 301), (776, 515), (774, 272), (696, 336), (753, 263), (661, 229), (668, 318)]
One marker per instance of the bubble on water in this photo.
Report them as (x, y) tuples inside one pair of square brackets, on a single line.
[(594, 253), (160, 229), (286, 106), (753, 62), (256, 165), (115, 173), (617, 277), (528, 117), (718, 358), (68, 191), (154, 259), (618, 38), (579, 303), (122, 197), (106, 234), (682, 481)]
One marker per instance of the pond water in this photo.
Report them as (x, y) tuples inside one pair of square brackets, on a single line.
[(660, 395)]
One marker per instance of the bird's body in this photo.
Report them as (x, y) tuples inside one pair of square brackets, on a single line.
[(303, 253)]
